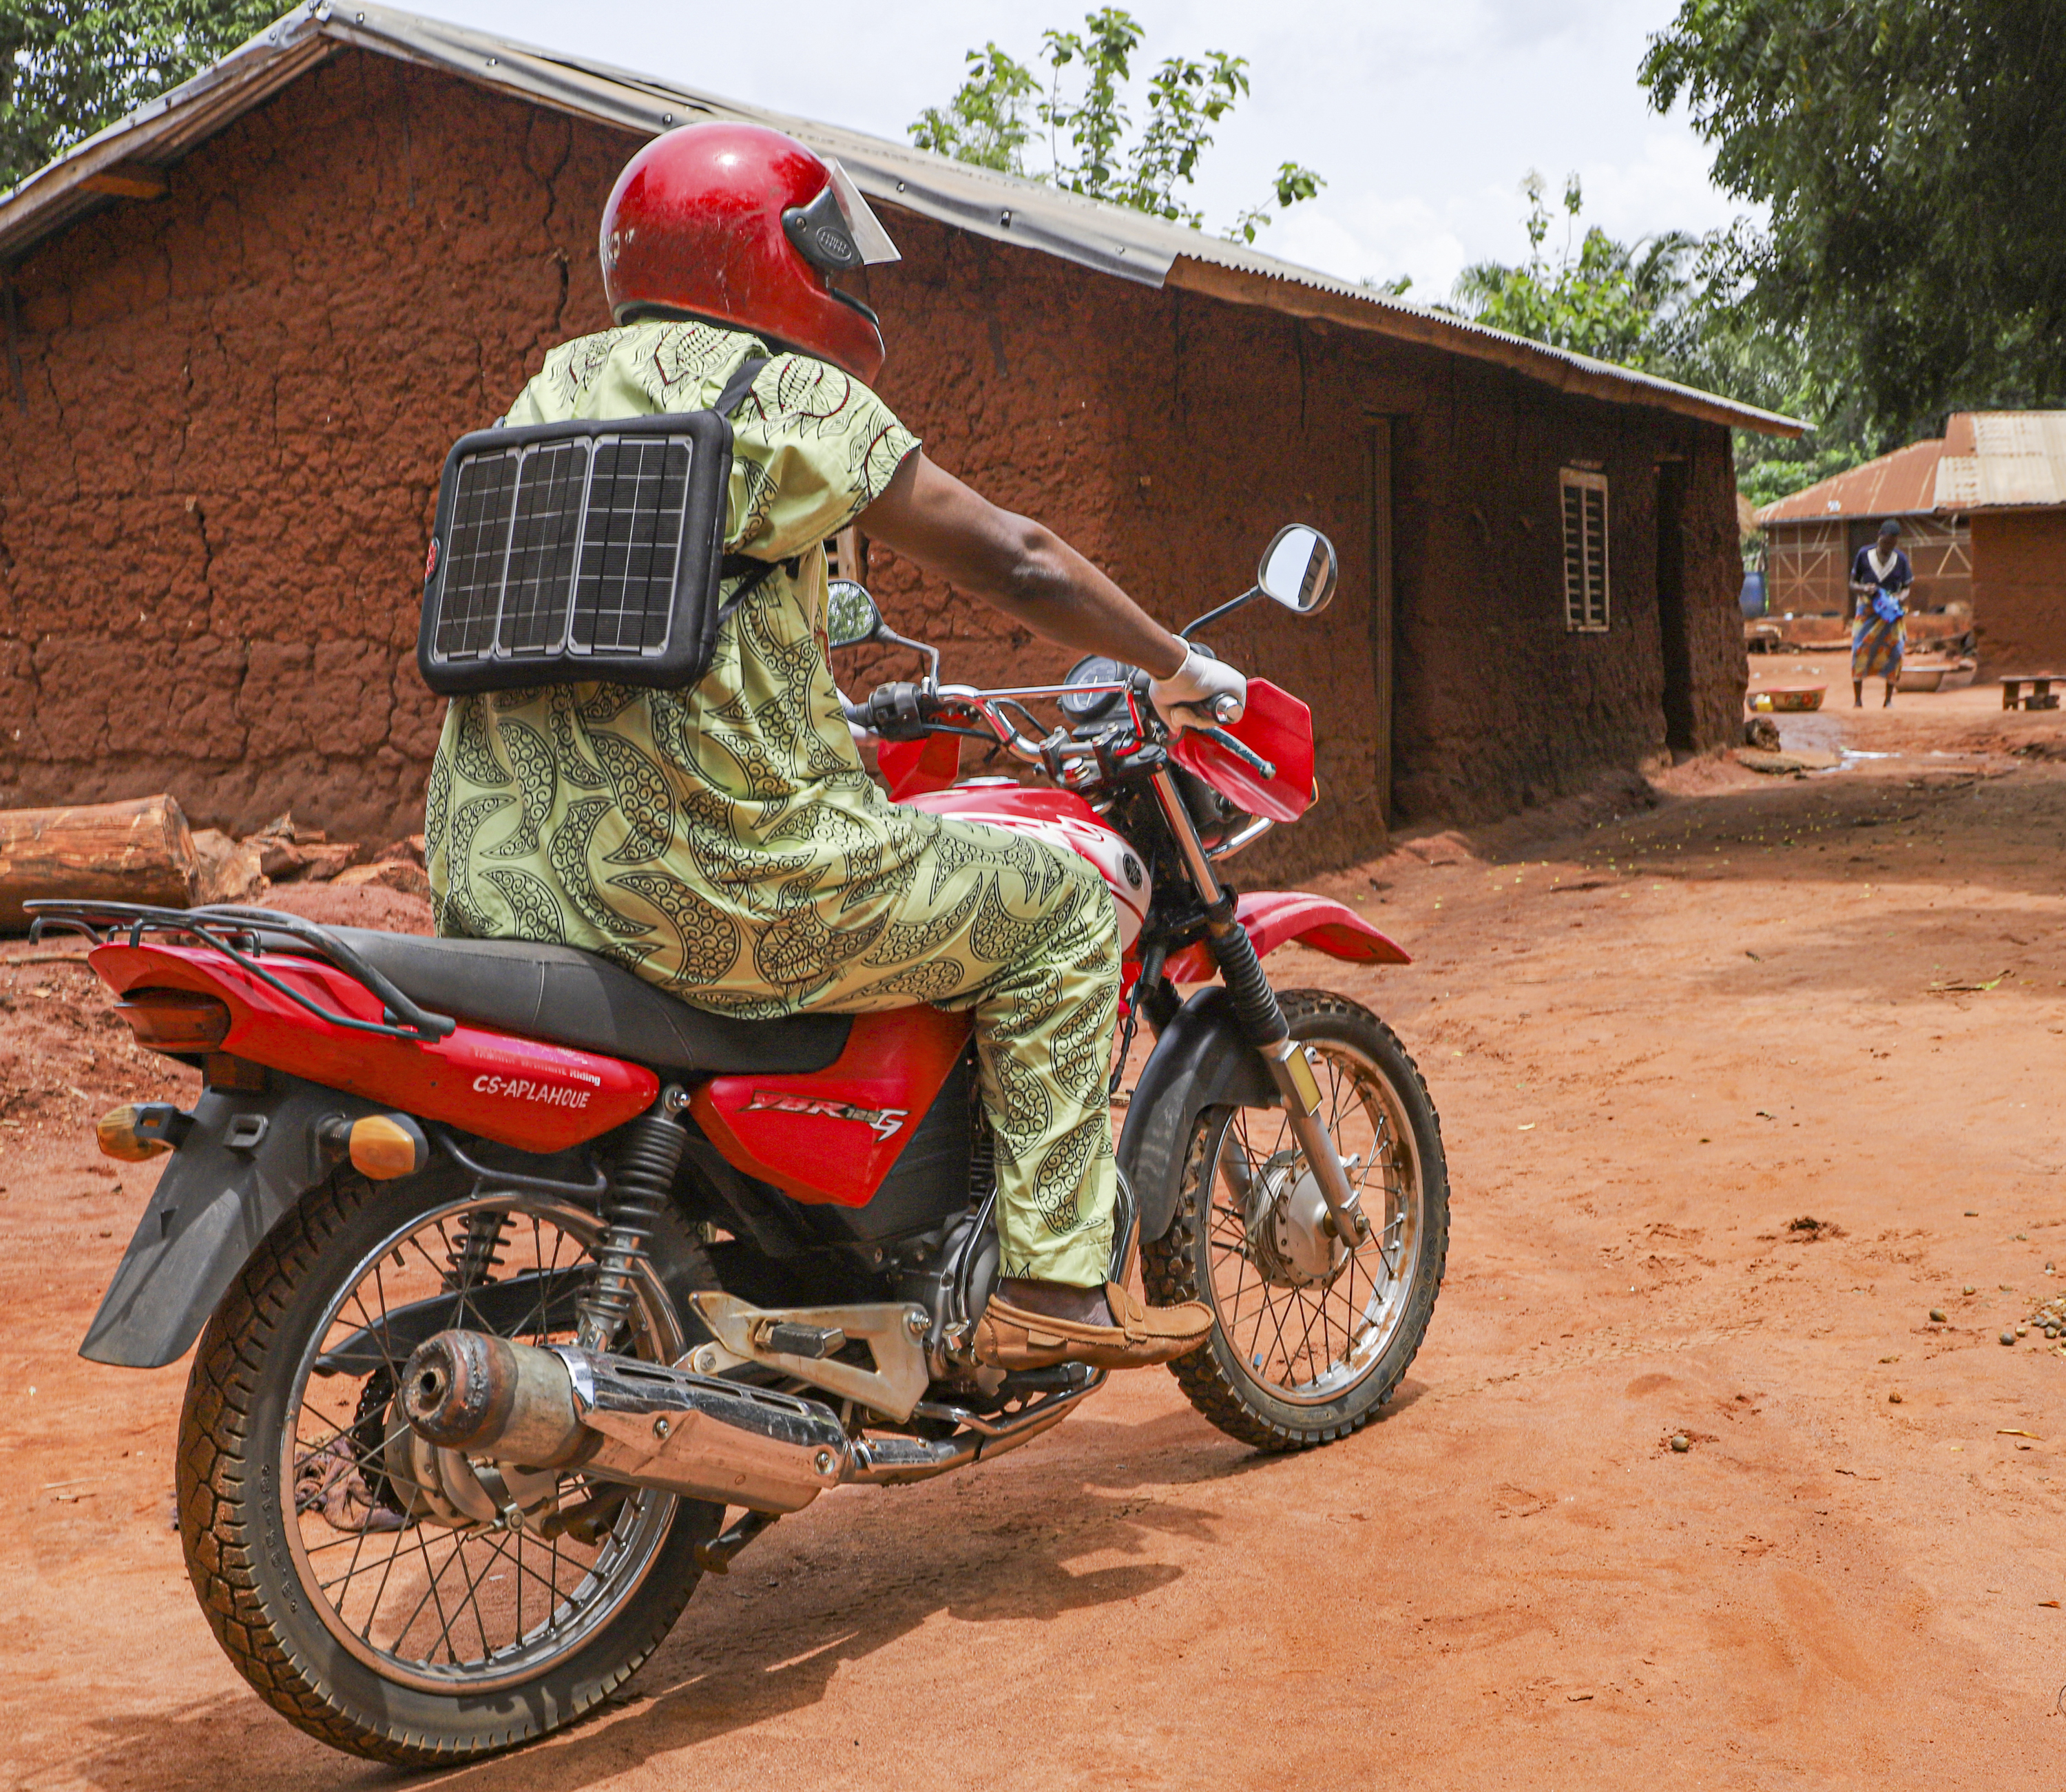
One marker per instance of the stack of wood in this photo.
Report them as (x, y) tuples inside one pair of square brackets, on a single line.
[(143, 851)]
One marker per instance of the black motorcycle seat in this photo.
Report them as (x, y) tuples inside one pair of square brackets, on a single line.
[(574, 998)]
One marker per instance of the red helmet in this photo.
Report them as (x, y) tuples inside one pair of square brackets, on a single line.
[(743, 225)]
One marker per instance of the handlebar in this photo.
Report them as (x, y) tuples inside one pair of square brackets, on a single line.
[(910, 712)]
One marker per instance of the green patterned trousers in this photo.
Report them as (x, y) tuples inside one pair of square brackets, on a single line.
[(1026, 932)]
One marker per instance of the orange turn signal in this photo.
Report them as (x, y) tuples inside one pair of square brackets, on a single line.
[(119, 1137), (383, 1146)]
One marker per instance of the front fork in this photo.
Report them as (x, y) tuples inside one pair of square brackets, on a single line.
[(1262, 1021)]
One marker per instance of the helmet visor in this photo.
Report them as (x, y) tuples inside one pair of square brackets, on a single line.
[(862, 224)]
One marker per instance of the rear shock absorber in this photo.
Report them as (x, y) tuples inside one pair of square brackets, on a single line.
[(479, 1250), (642, 1183)]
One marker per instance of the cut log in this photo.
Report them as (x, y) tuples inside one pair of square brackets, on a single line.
[(139, 851), (229, 870)]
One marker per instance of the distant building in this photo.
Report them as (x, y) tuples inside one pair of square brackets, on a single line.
[(1983, 515)]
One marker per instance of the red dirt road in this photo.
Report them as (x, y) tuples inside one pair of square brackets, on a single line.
[(1657, 1039)]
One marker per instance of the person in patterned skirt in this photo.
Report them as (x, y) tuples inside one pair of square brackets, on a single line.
[(1879, 581), (724, 841)]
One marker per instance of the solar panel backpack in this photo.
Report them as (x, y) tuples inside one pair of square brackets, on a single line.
[(585, 550)]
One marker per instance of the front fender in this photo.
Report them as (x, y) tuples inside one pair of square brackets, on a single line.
[(212, 1207), (1200, 1061), (1272, 917)]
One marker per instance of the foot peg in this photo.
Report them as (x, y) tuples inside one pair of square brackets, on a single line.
[(787, 1338)]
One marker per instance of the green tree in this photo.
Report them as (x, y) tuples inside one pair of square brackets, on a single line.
[(1673, 305), (1092, 148), (1912, 154), (1605, 299), (986, 122), (68, 69)]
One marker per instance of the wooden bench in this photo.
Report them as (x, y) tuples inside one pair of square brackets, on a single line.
[(2040, 694)]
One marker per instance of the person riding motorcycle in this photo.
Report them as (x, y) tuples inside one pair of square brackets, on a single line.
[(724, 841)]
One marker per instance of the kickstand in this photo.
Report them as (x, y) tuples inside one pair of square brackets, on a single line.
[(715, 1556)]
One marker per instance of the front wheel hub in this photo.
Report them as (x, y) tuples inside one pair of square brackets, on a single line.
[(1290, 1234)]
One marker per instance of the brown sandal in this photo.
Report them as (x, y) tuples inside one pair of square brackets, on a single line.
[(1009, 1337)]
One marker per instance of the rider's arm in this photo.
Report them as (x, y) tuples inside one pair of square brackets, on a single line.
[(1027, 571)]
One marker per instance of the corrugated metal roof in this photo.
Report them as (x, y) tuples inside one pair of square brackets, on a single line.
[(1986, 460), (2018, 461), (1109, 239), (1902, 483)]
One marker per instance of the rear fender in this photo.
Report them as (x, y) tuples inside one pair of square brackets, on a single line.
[(1200, 1061), (530, 1093), (1273, 917), (212, 1206)]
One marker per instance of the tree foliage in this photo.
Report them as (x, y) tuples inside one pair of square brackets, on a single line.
[(1912, 156), (68, 69), (1616, 301), (1673, 305), (1081, 114)]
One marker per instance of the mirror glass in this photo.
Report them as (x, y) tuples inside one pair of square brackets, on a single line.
[(1298, 569), (851, 617)]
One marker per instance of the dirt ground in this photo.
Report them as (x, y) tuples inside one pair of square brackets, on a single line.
[(1627, 1008)]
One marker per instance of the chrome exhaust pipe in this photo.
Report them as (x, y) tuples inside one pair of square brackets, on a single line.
[(641, 1423)]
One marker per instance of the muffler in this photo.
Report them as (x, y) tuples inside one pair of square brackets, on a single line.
[(641, 1423)]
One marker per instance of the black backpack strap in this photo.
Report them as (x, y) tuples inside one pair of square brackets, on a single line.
[(733, 565), (740, 384)]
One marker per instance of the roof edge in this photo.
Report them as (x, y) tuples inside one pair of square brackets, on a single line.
[(1561, 368), (44, 202)]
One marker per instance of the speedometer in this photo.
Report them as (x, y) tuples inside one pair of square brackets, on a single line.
[(1094, 706)]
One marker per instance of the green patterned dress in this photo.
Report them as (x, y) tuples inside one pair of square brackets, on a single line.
[(725, 843)]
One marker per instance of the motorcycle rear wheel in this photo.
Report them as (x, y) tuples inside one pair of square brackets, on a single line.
[(1301, 1355), (351, 1606)]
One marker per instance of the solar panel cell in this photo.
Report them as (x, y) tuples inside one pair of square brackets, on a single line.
[(477, 548), (545, 535)]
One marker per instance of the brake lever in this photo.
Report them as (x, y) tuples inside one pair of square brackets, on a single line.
[(1253, 760)]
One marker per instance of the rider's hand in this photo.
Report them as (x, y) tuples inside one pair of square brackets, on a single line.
[(1186, 699)]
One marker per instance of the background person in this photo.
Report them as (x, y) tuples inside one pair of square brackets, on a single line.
[(1880, 579)]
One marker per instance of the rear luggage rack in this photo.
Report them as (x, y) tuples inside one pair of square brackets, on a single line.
[(235, 933)]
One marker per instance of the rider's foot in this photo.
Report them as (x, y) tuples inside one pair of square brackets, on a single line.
[(1057, 1299), (1030, 1324)]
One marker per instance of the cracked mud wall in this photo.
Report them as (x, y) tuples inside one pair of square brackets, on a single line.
[(216, 508), (214, 513)]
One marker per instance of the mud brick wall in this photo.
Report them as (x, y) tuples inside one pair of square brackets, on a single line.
[(2019, 589), (1499, 705), (214, 510)]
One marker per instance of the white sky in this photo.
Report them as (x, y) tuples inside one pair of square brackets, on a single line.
[(1424, 117)]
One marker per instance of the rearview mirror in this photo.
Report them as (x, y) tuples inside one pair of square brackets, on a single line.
[(1298, 569), (851, 617)]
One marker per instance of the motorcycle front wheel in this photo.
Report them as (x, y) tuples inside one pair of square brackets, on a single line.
[(1308, 1340), (397, 1602)]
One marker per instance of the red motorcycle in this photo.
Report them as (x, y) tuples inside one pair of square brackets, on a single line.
[(512, 1273)]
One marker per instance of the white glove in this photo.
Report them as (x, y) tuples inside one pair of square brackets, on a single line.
[(1197, 686)]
